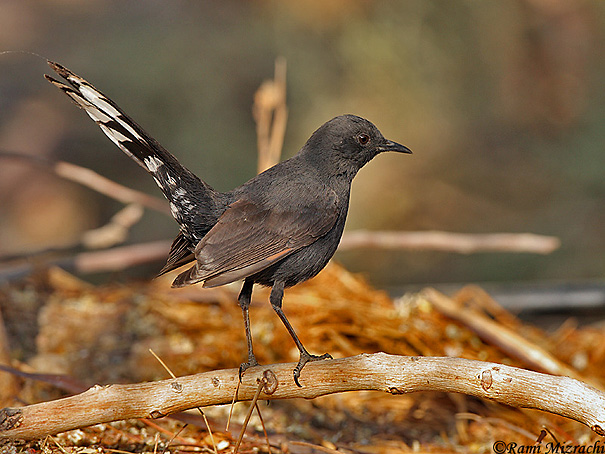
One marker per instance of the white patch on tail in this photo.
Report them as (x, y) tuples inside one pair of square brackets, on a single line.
[(114, 135), (152, 163), (99, 102), (174, 210), (95, 98)]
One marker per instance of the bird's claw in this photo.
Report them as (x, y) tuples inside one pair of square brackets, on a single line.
[(245, 366), (304, 359)]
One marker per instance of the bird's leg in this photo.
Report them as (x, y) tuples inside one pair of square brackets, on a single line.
[(244, 299), (277, 294)]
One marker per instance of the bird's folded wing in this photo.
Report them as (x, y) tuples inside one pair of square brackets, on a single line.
[(179, 255), (248, 238)]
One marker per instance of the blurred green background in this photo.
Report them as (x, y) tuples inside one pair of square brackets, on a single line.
[(501, 101)]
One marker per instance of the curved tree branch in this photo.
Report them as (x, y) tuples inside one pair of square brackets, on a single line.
[(389, 373)]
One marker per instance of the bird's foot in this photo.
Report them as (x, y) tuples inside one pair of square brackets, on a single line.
[(306, 357), (247, 365)]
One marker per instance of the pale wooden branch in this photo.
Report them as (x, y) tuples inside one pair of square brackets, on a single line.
[(424, 240), (462, 243), (512, 386)]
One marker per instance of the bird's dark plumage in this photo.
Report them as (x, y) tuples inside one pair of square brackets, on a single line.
[(278, 229)]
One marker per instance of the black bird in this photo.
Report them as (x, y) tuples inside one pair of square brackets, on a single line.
[(278, 229)]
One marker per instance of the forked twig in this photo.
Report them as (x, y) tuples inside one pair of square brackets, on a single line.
[(268, 384), (248, 415), (198, 408)]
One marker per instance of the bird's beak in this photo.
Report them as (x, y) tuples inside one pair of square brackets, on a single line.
[(389, 145)]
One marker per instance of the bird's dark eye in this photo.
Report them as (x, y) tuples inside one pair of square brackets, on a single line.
[(363, 139)]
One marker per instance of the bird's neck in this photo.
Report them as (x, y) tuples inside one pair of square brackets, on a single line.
[(330, 168)]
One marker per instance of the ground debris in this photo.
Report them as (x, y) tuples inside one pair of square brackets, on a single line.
[(62, 327)]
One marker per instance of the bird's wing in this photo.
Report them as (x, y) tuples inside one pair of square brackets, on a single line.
[(249, 237), (179, 255)]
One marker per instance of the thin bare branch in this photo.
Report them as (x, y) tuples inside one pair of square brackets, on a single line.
[(94, 181), (116, 230), (114, 259), (461, 243), (122, 257), (103, 185), (496, 334)]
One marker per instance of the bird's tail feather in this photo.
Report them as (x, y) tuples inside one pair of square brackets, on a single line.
[(185, 191)]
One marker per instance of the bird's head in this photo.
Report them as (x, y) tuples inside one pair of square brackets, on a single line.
[(346, 143)]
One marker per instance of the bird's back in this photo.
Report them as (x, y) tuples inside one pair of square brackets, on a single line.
[(283, 225), (293, 187)]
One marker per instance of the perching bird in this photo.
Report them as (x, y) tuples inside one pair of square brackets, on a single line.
[(278, 229)]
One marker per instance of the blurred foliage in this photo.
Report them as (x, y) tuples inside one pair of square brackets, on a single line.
[(502, 103)]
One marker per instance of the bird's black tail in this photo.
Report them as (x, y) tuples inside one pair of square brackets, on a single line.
[(193, 203), (180, 186)]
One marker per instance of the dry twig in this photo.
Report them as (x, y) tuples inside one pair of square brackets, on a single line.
[(167, 369), (116, 230), (91, 179), (462, 243), (268, 384), (389, 373), (496, 334), (270, 113)]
